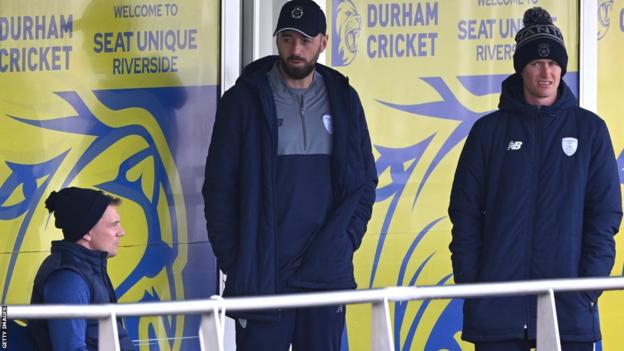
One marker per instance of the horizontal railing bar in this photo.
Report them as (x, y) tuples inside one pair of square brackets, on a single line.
[(313, 299), (104, 310), (531, 287)]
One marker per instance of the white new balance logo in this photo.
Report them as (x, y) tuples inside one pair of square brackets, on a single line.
[(514, 145)]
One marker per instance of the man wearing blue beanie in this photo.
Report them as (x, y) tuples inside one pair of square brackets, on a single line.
[(75, 272), (536, 195)]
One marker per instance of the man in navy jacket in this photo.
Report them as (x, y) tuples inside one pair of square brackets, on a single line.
[(289, 187), (536, 195), (75, 272)]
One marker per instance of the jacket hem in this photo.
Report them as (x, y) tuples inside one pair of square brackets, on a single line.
[(266, 315), (473, 337)]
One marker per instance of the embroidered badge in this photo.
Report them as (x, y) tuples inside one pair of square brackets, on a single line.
[(296, 13), (329, 125), (569, 145), (543, 49)]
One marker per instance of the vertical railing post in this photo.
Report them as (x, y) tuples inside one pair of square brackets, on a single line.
[(211, 331), (547, 327), (381, 330), (108, 338)]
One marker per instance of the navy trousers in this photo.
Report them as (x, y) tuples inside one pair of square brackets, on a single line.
[(526, 345), (307, 329)]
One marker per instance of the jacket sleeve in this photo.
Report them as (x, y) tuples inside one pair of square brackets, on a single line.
[(221, 182), (466, 209), (602, 209), (364, 208), (67, 287)]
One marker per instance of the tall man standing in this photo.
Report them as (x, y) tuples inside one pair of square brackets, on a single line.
[(536, 195), (290, 184)]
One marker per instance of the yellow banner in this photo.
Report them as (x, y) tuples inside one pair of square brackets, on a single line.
[(114, 95), (610, 76)]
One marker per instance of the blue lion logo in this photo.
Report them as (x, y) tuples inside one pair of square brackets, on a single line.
[(123, 142), (347, 26), (604, 11)]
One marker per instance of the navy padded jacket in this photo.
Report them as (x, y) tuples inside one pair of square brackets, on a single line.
[(91, 266), (240, 195), (536, 195)]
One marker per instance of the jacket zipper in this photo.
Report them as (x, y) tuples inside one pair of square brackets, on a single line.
[(536, 171), (301, 99)]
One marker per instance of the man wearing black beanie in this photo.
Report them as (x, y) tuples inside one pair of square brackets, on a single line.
[(536, 195), (75, 272)]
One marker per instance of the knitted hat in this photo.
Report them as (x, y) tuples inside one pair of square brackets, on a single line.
[(539, 39), (77, 210), (303, 16)]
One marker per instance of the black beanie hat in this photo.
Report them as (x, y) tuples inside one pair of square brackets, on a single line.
[(77, 210), (539, 39)]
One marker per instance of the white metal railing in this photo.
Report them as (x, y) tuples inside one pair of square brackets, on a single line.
[(211, 328)]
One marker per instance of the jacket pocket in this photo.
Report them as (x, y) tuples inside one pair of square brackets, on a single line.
[(576, 313), (328, 260)]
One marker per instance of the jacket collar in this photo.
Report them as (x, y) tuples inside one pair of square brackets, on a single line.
[(277, 82), (96, 259), (256, 72), (512, 98), (341, 103)]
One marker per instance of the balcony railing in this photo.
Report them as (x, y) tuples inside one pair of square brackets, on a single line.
[(211, 329)]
